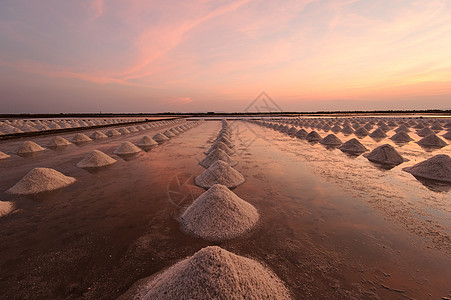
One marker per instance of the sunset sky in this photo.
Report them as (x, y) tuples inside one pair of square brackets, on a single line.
[(191, 56)]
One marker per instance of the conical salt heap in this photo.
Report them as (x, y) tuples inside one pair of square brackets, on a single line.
[(5, 208), (313, 136), (96, 159), (81, 138), (169, 134), (425, 132), (402, 128), (447, 135), (123, 130), (213, 273), (112, 132), (146, 142), (331, 140), (378, 134), (41, 180), (216, 155), (97, 135), (220, 172), (385, 154), (160, 138), (225, 140), (219, 214), (127, 148), (361, 132), (4, 155), (58, 141), (432, 140), (437, 167), (220, 145), (353, 146), (347, 129), (401, 137), (29, 147), (301, 133), (292, 131), (174, 131)]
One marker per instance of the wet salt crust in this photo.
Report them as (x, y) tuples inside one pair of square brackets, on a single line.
[(219, 214), (213, 273), (41, 180)]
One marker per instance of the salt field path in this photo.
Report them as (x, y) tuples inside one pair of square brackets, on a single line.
[(331, 226)]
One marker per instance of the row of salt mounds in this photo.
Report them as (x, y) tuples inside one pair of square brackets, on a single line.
[(212, 273), (5, 208), (437, 167), (385, 154), (126, 148), (58, 141), (96, 159), (219, 214), (41, 180)]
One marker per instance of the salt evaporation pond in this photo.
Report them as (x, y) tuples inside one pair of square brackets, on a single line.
[(331, 225)]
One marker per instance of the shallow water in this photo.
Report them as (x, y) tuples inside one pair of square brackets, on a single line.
[(331, 226)]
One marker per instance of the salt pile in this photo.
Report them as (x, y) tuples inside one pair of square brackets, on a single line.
[(146, 142), (5, 208), (29, 147), (331, 140), (361, 132), (353, 146), (97, 135), (219, 214), (219, 173), (313, 136), (127, 148), (432, 140), (425, 132), (447, 135), (225, 140), (378, 134), (81, 138), (401, 137), (385, 154), (58, 141), (402, 128), (112, 132), (437, 167), (220, 145), (96, 159), (160, 138), (123, 130), (216, 155), (168, 134), (213, 273), (3, 155), (41, 180), (301, 134), (347, 129)]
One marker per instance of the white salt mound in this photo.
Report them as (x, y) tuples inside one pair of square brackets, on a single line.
[(219, 214), (5, 208), (219, 172), (97, 135), (127, 148), (96, 159), (4, 155), (385, 154), (112, 132), (214, 273), (41, 180), (81, 138), (58, 141), (29, 147), (123, 130), (216, 155), (146, 142), (220, 145), (168, 134), (437, 167)]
